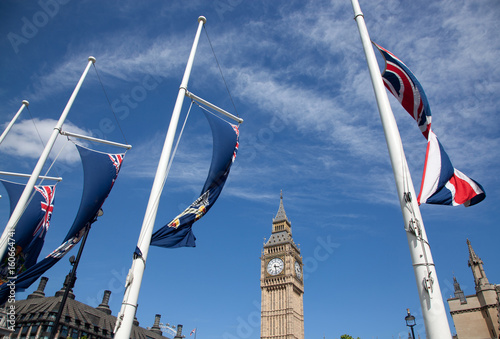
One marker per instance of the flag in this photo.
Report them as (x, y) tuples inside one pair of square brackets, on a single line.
[(100, 171), (442, 184), (31, 228), (47, 206), (193, 331), (401, 82), (178, 233)]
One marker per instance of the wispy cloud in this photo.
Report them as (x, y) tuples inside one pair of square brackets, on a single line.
[(333, 103)]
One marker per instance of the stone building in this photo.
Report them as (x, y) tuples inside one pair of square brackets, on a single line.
[(35, 318), (281, 282), (476, 315)]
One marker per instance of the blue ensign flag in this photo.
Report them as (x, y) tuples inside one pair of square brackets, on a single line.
[(178, 233), (100, 171), (29, 236)]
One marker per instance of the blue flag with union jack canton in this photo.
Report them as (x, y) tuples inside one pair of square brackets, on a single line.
[(442, 184), (29, 236), (100, 171), (178, 233)]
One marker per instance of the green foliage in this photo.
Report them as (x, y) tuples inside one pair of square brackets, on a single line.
[(347, 336)]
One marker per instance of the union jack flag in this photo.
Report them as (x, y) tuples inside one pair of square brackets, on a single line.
[(442, 184), (401, 82), (47, 206), (237, 131), (116, 159)]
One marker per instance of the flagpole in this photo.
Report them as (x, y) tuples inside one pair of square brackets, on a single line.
[(431, 300), (128, 309), (4, 134), (102, 141), (23, 200), (212, 106)]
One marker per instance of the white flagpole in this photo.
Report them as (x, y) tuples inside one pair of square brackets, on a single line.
[(431, 300), (212, 106), (125, 319), (4, 134), (102, 141), (13, 174), (23, 200)]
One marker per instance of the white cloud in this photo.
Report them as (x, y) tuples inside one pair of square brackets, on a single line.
[(28, 139)]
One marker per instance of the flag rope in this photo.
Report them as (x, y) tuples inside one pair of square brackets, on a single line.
[(53, 162), (39, 136), (220, 70), (109, 103), (171, 159)]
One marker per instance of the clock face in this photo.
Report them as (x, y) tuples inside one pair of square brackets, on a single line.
[(275, 266), (298, 271)]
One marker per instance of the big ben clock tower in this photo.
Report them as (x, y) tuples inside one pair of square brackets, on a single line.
[(281, 283)]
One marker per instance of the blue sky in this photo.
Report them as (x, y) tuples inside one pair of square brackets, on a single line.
[(297, 75)]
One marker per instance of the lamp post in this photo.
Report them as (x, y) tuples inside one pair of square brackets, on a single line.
[(410, 322), (70, 280)]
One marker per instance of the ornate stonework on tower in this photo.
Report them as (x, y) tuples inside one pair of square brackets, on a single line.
[(476, 315), (281, 283), (476, 264)]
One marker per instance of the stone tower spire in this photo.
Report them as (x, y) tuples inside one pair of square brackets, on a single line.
[(476, 264), (281, 215), (458, 292), (280, 221)]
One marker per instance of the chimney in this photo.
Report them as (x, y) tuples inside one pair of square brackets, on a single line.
[(104, 306), (156, 327), (39, 293), (60, 293), (179, 332)]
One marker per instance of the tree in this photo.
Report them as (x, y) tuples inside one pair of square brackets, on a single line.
[(347, 336)]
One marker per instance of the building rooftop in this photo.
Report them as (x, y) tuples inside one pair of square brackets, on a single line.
[(38, 312)]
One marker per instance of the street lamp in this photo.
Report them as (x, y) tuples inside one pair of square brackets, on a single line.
[(410, 322), (71, 278)]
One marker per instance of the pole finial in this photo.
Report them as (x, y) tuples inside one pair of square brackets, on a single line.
[(26, 102), (202, 18), (91, 58)]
